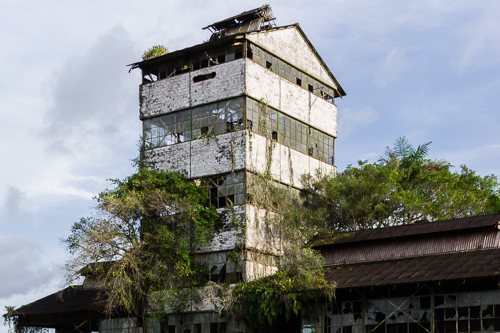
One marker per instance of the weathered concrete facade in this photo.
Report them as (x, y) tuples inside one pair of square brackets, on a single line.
[(242, 104), (244, 150)]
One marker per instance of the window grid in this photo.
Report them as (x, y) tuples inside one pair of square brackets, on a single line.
[(290, 132), (228, 189), (176, 127), (452, 313), (290, 73)]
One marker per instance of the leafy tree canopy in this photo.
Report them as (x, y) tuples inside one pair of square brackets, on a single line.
[(143, 238), (402, 187)]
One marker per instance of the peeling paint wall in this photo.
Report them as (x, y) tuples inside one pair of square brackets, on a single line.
[(290, 99), (200, 158), (289, 45), (179, 92)]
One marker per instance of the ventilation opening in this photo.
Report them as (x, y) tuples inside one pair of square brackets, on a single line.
[(268, 64), (298, 81), (204, 77), (275, 136), (311, 88)]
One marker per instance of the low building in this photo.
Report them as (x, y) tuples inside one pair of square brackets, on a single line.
[(441, 277)]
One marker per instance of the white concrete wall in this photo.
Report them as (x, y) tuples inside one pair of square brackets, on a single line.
[(289, 45), (199, 158), (179, 92), (290, 99), (287, 165)]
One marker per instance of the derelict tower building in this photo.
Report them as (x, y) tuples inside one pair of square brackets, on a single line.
[(217, 109)]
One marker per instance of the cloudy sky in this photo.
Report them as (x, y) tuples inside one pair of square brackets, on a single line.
[(427, 69)]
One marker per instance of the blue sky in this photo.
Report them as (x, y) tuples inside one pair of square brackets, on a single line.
[(425, 69)]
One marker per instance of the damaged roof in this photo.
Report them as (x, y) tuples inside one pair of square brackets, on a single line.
[(474, 264), (422, 228), (249, 15), (238, 36)]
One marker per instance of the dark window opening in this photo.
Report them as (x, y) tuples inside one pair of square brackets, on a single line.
[(204, 63), (196, 65), (213, 197), (268, 64), (238, 54), (165, 328), (197, 328), (275, 136), (310, 150), (222, 202), (221, 59), (204, 131), (249, 54), (218, 328), (311, 88), (204, 77), (162, 75), (298, 81), (230, 199), (250, 124)]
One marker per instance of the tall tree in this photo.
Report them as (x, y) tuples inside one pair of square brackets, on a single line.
[(142, 240)]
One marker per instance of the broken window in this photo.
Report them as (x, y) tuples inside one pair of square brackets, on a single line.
[(321, 145), (290, 132), (168, 129), (198, 60), (186, 125), (467, 312), (218, 118), (227, 190)]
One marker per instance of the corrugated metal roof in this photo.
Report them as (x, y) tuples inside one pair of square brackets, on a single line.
[(482, 263), (412, 229), (404, 247)]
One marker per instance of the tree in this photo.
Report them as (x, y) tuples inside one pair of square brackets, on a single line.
[(142, 240), (401, 188)]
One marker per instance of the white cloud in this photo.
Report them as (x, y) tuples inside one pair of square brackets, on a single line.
[(393, 67), (27, 268), (350, 121), (481, 39)]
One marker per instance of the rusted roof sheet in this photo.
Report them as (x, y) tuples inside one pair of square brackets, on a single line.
[(404, 247), (71, 299), (482, 263), (413, 229)]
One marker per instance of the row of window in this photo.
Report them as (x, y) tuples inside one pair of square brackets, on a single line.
[(222, 54), (290, 73), (199, 60), (467, 312), (227, 116), (292, 133), (208, 120)]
